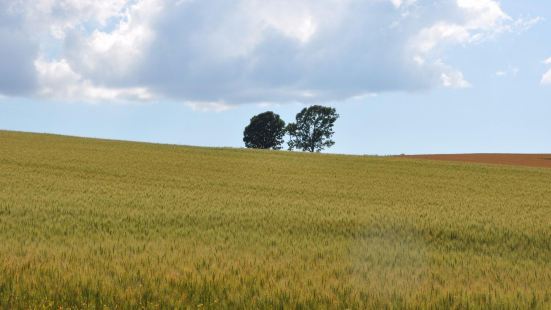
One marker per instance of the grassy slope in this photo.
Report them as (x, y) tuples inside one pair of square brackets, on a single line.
[(88, 223)]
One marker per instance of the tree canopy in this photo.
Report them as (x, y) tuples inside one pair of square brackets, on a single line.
[(313, 129), (265, 131)]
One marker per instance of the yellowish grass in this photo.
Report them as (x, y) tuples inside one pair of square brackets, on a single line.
[(89, 223)]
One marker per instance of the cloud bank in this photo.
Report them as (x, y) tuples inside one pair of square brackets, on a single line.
[(212, 53)]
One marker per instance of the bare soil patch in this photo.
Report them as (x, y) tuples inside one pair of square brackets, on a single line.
[(530, 160)]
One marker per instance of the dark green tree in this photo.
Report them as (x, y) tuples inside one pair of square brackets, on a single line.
[(265, 131), (313, 129)]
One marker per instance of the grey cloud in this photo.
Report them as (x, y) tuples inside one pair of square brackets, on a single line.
[(363, 54), (17, 53)]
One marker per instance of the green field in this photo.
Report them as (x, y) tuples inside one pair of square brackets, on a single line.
[(90, 223)]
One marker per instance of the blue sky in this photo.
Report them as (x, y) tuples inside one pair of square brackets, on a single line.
[(422, 76)]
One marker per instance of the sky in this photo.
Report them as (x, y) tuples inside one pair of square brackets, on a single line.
[(406, 76)]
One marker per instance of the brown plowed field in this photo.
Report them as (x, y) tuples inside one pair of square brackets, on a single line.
[(531, 160)]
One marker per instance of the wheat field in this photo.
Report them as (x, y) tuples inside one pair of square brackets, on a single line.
[(90, 224)]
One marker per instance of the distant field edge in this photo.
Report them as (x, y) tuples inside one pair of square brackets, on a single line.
[(526, 160)]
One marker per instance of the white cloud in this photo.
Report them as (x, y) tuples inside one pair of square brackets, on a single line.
[(429, 38), (473, 21), (60, 16), (209, 106), (521, 25), (402, 3), (483, 14), (57, 80), (219, 53), (546, 78), (511, 71), (454, 79), (113, 55)]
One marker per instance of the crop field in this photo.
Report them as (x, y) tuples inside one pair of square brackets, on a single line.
[(90, 223)]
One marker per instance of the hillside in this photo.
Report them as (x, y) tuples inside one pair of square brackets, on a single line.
[(93, 223)]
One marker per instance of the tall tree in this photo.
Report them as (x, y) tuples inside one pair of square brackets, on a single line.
[(313, 129), (265, 131)]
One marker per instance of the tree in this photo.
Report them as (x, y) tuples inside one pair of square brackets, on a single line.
[(265, 131), (313, 129)]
